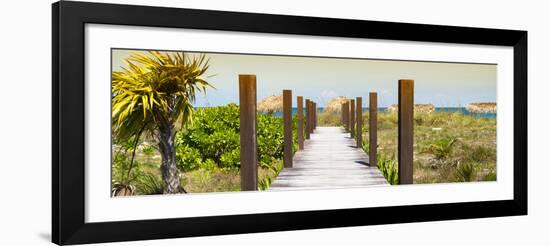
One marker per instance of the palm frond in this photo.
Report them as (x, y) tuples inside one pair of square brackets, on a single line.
[(156, 86)]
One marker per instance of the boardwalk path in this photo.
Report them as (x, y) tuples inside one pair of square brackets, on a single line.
[(329, 160)]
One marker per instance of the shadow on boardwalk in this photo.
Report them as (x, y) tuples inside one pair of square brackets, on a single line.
[(329, 160)]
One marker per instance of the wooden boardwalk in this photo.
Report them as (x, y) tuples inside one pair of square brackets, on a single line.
[(329, 160)]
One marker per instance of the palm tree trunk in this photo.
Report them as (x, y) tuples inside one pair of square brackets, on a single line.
[(170, 173)]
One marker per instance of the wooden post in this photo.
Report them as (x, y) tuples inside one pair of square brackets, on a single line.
[(352, 118), (249, 161), (373, 128), (287, 135), (405, 131), (342, 115), (311, 117), (346, 116), (314, 115), (300, 122), (308, 122), (359, 135)]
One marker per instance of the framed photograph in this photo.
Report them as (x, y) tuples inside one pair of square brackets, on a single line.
[(173, 122)]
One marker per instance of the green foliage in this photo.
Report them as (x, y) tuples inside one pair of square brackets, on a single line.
[(388, 167), (231, 158), (149, 184), (270, 138), (188, 158), (127, 176), (466, 172), (155, 88), (208, 164), (149, 149), (123, 170), (120, 165), (366, 146), (263, 184), (442, 148), (151, 94), (213, 135), (214, 138), (269, 173), (491, 176)]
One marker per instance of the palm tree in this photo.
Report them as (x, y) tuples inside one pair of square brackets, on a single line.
[(154, 92)]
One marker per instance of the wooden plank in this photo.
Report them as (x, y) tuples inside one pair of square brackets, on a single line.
[(247, 105), (352, 118), (287, 133), (329, 160), (300, 122), (308, 122), (373, 127), (359, 135), (405, 131)]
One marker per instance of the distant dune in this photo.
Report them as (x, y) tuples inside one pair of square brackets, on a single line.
[(271, 104), (335, 104), (419, 108), (482, 107)]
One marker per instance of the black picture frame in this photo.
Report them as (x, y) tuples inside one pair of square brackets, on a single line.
[(68, 122)]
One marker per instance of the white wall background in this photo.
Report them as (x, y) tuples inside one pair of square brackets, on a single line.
[(25, 65)]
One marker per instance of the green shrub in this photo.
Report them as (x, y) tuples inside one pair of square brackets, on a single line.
[(208, 164), (270, 138), (231, 158), (442, 148), (188, 158), (388, 167), (213, 140), (122, 173)]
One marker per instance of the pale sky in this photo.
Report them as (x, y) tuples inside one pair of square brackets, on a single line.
[(320, 79)]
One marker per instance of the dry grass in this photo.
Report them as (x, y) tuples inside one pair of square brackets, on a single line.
[(472, 156), (329, 119), (201, 180)]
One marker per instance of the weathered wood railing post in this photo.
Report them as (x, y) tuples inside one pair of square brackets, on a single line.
[(300, 122), (247, 106), (342, 115), (373, 128), (308, 122), (346, 116), (311, 117), (405, 131), (352, 118), (287, 135), (314, 115), (359, 135)]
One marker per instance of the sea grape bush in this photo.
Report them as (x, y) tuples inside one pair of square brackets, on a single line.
[(213, 138)]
